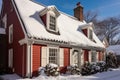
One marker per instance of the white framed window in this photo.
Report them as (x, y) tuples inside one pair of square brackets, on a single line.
[(11, 33), (75, 56), (10, 58), (52, 24), (4, 21), (52, 21), (93, 56), (90, 34), (53, 55)]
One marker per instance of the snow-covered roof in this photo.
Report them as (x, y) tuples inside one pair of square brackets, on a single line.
[(114, 49), (67, 25), (2, 31)]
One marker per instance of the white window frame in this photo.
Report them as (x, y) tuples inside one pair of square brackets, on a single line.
[(48, 23), (11, 33), (90, 34), (56, 54), (10, 58), (4, 20)]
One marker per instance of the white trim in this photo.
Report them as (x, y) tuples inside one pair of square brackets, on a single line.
[(23, 41), (5, 20), (11, 33), (44, 56), (90, 56), (28, 72), (10, 58), (82, 57), (71, 60), (61, 57), (48, 22)]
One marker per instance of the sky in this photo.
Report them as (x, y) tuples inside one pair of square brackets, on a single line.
[(104, 8)]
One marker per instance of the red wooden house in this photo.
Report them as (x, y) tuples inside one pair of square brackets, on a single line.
[(38, 35)]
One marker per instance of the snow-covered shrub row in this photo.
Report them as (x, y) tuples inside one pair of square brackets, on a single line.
[(49, 70), (94, 67), (73, 69)]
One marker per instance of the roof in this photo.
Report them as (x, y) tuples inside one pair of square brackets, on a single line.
[(2, 31), (68, 26), (114, 49)]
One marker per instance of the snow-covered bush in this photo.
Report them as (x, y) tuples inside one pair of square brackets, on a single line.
[(111, 60), (49, 70), (86, 69), (73, 69), (94, 67), (102, 65)]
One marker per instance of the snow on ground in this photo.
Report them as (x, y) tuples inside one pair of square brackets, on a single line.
[(109, 75)]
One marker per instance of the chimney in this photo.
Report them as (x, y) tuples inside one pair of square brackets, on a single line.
[(78, 12)]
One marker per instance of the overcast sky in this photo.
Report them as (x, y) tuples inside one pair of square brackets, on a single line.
[(105, 8)]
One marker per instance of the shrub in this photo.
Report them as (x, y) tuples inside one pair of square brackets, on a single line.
[(73, 69), (49, 70)]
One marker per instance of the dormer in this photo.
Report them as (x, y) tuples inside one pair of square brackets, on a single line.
[(88, 30), (49, 17)]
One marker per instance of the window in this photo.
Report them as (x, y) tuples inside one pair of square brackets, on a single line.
[(10, 58), (93, 56), (53, 55), (75, 57), (4, 21), (10, 33), (52, 24), (90, 34)]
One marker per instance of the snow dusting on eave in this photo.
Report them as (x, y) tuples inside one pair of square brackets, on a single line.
[(2, 31), (68, 26)]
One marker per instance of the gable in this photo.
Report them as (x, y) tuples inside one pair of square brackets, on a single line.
[(68, 26)]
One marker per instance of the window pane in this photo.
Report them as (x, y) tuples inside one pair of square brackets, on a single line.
[(53, 55), (52, 24)]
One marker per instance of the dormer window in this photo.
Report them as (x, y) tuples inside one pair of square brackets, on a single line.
[(90, 34), (88, 30), (52, 24), (49, 17), (51, 21)]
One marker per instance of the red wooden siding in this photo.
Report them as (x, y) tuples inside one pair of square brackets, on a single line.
[(86, 55), (66, 60), (44, 19), (36, 59), (19, 51), (85, 32)]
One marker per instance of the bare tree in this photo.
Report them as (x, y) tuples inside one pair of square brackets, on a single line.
[(109, 28), (91, 16)]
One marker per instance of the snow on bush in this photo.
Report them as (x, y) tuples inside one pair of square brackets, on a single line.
[(94, 67), (73, 69), (49, 70)]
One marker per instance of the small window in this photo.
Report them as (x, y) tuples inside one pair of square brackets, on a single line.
[(52, 22), (10, 58), (53, 55), (52, 25), (10, 33), (90, 34), (4, 21), (93, 56)]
